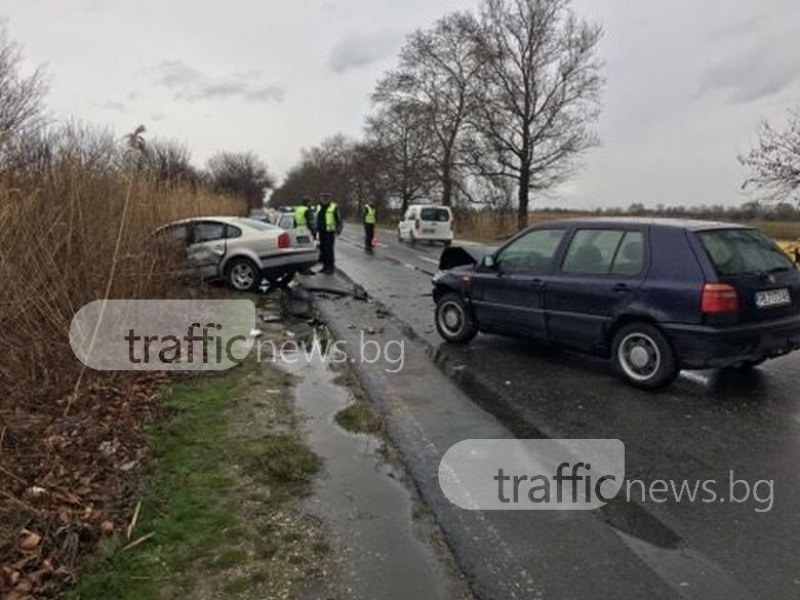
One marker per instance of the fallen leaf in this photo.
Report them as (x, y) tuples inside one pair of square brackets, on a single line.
[(30, 540)]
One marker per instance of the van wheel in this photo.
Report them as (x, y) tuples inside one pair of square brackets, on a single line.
[(643, 356), (454, 320), (243, 275)]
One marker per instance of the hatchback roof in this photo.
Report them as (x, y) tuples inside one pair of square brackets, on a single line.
[(688, 224)]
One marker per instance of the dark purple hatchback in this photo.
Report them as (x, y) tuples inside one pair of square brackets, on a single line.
[(653, 295)]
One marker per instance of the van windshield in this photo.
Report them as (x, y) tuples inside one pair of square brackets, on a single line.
[(741, 251), (440, 215)]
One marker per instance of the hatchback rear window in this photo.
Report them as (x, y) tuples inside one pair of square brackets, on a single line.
[(440, 215), (740, 251)]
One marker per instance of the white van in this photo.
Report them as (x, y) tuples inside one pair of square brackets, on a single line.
[(426, 222)]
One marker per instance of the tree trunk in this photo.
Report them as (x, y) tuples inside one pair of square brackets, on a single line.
[(523, 195), (447, 184)]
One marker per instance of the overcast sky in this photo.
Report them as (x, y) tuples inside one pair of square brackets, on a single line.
[(688, 80)]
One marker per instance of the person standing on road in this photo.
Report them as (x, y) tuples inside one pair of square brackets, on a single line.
[(329, 225), (305, 221), (369, 227), (304, 216)]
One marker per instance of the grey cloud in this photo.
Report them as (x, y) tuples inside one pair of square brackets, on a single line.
[(191, 84), (738, 28), (759, 71), (360, 50), (267, 92), (114, 106)]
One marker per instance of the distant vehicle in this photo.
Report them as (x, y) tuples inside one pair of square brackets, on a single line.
[(653, 295), (425, 222), (243, 252)]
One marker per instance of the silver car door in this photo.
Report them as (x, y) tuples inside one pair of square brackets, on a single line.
[(207, 249)]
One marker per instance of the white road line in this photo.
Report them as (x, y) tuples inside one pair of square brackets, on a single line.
[(696, 378)]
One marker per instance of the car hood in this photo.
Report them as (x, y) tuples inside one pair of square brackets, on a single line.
[(458, 256)]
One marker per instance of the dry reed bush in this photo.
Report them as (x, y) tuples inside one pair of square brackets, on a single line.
[(485, 226), (494, 226), (59, 246)]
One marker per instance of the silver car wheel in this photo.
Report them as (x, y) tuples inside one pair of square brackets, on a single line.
[(451, 318), (639, 356), (242, 276)]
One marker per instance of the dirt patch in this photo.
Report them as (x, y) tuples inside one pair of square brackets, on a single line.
[(64, 479)]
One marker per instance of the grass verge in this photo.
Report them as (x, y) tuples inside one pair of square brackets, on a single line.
[(220, 500)]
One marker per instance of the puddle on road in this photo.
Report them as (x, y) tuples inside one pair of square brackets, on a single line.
[(382, 550)]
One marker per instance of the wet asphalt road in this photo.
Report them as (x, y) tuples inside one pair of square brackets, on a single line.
[(704, 427)]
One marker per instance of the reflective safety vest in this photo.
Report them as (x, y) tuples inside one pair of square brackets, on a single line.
[(300, 217), (330, 217), (369, 215)]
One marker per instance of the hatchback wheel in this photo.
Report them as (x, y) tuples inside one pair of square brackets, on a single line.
[(244, 275), (642, 355), (454, 320)]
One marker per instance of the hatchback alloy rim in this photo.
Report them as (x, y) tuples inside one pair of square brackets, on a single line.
[(639, 356), (451, 318), (242, 276)]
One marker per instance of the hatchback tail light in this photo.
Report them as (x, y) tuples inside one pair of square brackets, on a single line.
[(719, 298), (284, 241)]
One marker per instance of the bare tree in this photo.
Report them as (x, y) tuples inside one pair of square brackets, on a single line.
[(438, 76), (542, 86), (170, 163), (774, 163), (21, 110), (369, 169), (325, 168), (401, 133), (240, 174)]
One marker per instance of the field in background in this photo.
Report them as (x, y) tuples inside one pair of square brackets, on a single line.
[(492, 227)]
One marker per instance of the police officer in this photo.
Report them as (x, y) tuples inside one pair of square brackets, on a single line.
[(329, 225), (369, 227), (305, 221), (304, 216)]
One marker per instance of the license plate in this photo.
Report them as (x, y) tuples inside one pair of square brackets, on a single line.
[(771, 298), (303, 239), (428, 230)]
